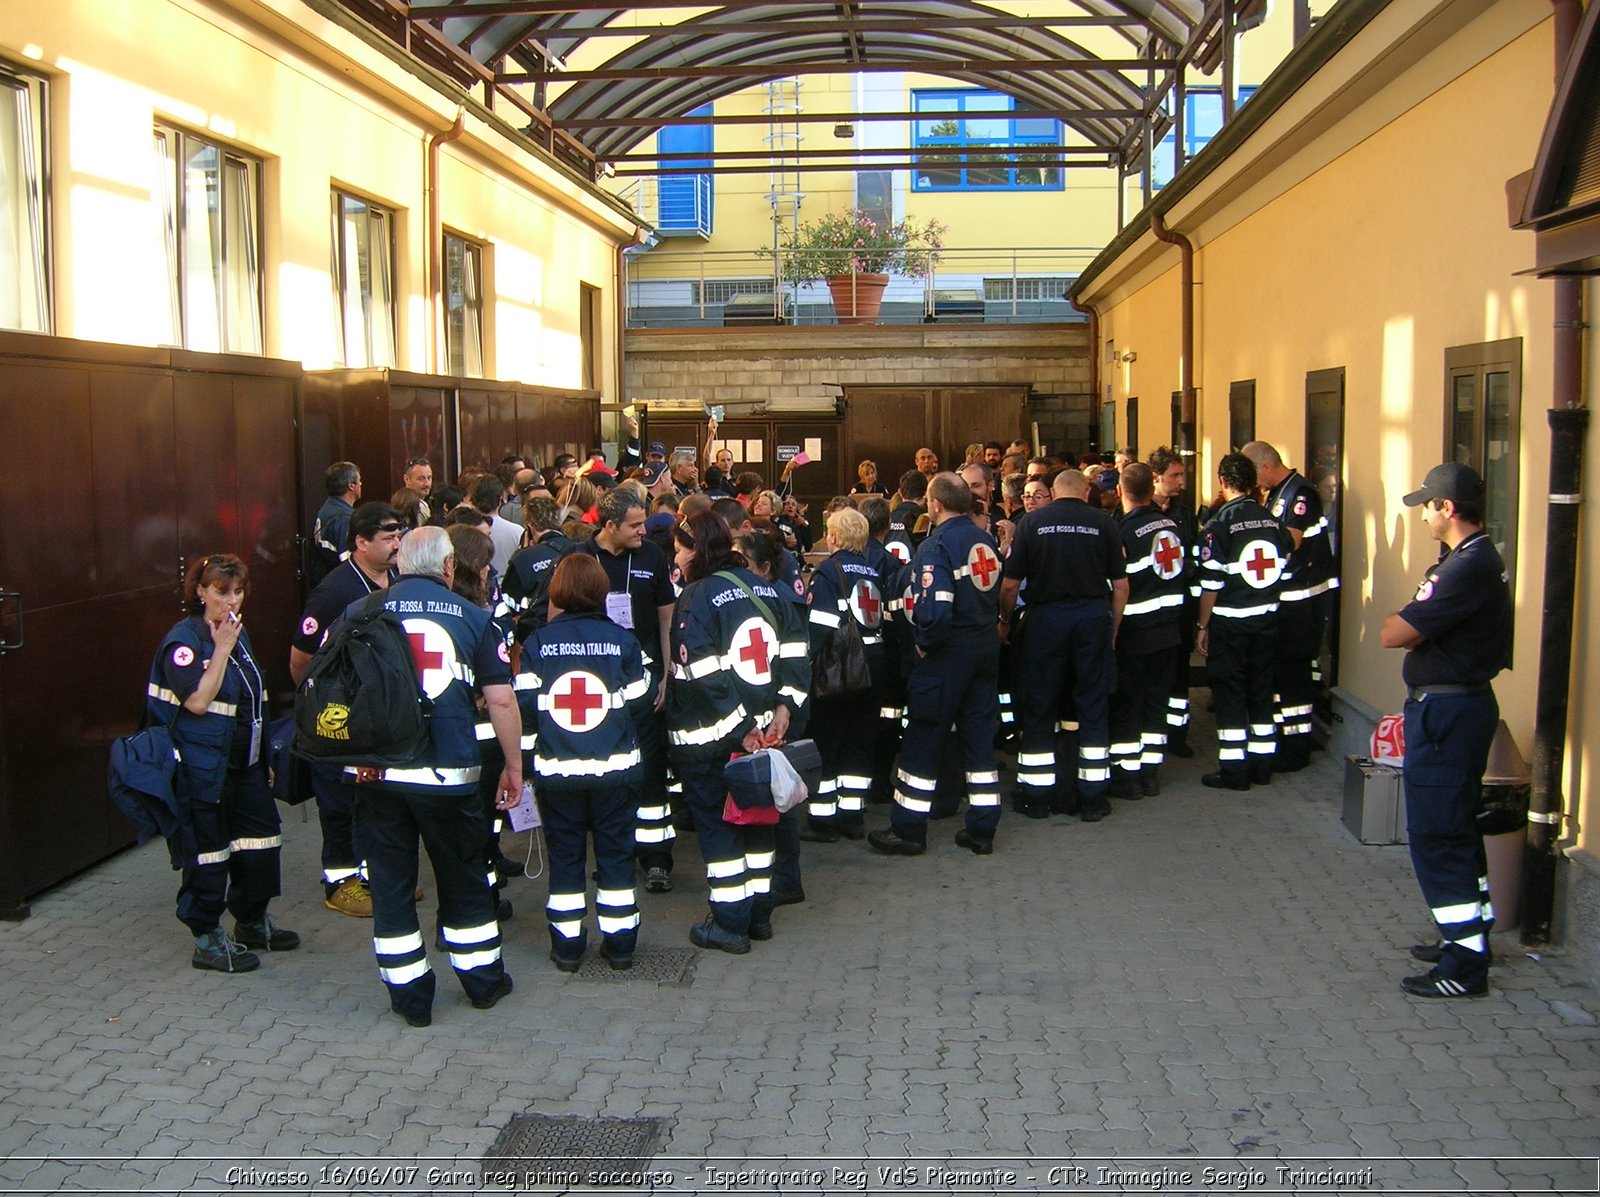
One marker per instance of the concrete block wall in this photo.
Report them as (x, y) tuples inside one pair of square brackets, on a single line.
[(728, 365)]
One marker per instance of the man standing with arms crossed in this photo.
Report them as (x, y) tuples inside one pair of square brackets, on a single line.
[(1456, 632)]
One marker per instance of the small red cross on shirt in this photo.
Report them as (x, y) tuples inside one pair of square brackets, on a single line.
[(984, 563), (756, 651), (1167, 551), (420, 655), (578, 699), (867, 602), (1260, 564)]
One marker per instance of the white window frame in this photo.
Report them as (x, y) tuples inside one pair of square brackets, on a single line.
[(364, 295), (463, 305), (25, 275)]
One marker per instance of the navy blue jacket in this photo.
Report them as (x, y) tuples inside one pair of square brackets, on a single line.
[(582, 687), (731, 667), (955, 584), (458, 650)]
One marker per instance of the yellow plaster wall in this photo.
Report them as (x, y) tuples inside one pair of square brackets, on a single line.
[(1380, 261), (314, 128)]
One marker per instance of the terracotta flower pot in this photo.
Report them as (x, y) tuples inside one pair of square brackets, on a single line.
[(857, 297)]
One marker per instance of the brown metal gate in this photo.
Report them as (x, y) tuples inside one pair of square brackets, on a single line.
[(119, 465)]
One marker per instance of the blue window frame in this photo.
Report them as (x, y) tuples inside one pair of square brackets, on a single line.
[(1202, 120), (961, 145)]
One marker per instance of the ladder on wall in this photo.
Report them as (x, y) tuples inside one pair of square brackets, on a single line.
[(784, 193)]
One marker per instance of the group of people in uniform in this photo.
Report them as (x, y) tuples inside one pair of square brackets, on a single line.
[(619, 683)]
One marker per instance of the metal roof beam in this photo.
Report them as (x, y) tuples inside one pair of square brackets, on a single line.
[(832, 118), (778, 68), (815, 25), (1099, 163), (932, 153)]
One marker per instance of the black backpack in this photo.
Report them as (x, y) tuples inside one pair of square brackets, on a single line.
[(360, 702)]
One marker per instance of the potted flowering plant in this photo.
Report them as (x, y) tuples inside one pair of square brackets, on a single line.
[(856, 254)]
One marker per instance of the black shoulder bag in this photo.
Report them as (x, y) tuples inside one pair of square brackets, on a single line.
[(841, 663)]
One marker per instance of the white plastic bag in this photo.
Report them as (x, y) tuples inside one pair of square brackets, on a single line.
[(788, 787)]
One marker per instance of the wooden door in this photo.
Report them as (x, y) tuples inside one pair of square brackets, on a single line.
[(887, 425), (977, 413)]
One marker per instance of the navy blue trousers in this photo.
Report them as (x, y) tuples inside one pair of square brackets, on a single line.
[(957, 685), (605, 814), (238, 841), (450, 824), (1067, 651), (738, 858), (1447, 749), (336, 812)]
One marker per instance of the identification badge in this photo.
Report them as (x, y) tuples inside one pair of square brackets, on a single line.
[(524, 816), (255, 742), (619, 610)]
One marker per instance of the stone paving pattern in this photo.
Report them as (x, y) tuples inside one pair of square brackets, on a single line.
[(1202, 974)]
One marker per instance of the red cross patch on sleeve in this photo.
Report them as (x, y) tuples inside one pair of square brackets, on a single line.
[(183, 656), (308, 626), (1300, 505)]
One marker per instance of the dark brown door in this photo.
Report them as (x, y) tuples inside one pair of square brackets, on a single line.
[(978, 413), (887, 425), (827, 473), (113, 475)]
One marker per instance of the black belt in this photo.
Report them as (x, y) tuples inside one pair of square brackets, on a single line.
[(1418, 693)]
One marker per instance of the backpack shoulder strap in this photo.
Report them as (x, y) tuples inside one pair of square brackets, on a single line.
[(765, 610)]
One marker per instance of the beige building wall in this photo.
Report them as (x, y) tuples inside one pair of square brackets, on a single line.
[(321, 108), (1375, 242)]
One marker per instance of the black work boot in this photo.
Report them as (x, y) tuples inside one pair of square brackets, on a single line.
[(219, 951)]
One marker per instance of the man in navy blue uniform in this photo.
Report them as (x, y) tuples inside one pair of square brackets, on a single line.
[(375, 532), (641, 600), (1171, 478), (1303, 605), (954, 596), (1148, 639), (330, 530), (1457, 633), (1244, 555), (459, 652), (1070, 555)]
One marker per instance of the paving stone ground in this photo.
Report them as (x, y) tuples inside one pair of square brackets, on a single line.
[(1202, 980)]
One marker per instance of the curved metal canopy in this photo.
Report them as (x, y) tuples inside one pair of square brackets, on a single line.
[(651, 64)]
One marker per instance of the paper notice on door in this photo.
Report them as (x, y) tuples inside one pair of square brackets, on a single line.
[(814, 448), (753, 452)]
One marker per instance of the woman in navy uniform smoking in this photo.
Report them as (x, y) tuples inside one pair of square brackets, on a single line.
[(582, 685), (740, 677), (205, 685)]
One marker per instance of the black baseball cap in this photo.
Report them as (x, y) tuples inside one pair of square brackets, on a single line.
[(1454, 481)]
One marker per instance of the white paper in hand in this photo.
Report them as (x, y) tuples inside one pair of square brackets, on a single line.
[(524, 815)]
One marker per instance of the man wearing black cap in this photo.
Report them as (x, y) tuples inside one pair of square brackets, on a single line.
[(1457, 633)]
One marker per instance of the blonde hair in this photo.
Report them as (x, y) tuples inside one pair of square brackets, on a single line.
[(848, 527)]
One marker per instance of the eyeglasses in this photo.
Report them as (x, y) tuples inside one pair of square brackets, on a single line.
[(416, 461), (391, 527)]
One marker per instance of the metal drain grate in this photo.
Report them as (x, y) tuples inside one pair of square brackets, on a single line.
[(659, 966), (540, 1150)]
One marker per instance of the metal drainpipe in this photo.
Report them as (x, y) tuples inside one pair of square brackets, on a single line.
[(435, 279), (1094, 356), (1186, 413), (1569, 422)]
